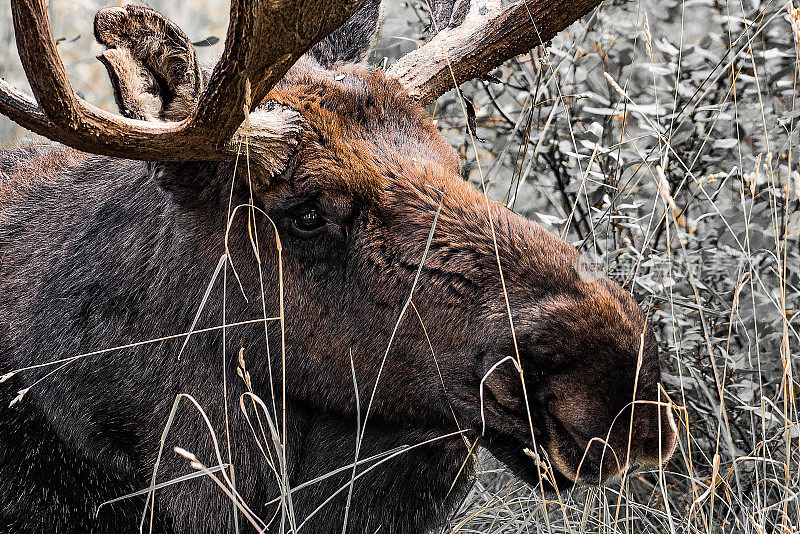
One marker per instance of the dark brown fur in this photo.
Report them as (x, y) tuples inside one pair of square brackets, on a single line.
[(24, 168)]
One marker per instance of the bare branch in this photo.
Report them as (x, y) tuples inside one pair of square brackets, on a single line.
[(487, 37)]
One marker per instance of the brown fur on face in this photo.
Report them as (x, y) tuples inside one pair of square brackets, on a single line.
[(374, 165), (361, 123)]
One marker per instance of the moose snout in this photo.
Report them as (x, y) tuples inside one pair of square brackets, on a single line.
[(596, 443), (655, 434), (643, 436)]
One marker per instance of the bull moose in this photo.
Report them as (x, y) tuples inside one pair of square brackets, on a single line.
[(264, 299)]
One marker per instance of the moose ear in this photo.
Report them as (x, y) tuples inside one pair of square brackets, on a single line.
[(351, 42), (152, 64)]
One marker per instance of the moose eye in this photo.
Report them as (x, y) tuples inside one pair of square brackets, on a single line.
[(308, 221)]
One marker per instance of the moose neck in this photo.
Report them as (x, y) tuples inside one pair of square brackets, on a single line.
[(408, 490), (407, 480)]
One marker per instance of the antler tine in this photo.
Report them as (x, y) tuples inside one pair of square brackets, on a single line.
[(38, 54), (21, 109), (487, 37), (265, 38)]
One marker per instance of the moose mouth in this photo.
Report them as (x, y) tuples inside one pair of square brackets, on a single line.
[(520, 458)]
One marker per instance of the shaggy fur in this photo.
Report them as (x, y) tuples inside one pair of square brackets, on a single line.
[(100, 253)]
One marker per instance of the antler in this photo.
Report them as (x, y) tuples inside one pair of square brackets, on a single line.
[(265, 38), (487, 37)]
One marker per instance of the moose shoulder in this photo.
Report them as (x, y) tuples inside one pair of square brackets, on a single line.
[(336, 295)]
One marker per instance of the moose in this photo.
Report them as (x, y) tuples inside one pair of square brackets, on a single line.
[(263, 299)]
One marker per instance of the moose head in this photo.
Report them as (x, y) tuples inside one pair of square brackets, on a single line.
[(297, 219)]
